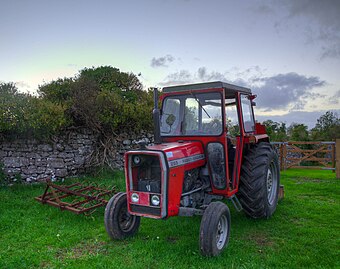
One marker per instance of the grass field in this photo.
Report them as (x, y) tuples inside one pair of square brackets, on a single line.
[(303, 233)]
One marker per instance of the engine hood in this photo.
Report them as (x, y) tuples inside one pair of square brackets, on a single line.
[(180, 153)]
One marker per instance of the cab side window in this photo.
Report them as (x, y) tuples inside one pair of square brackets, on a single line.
[(247, 114), (233, 126)]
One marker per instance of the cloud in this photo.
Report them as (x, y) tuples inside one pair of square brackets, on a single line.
[(72, 65), (289, 91), (204, 75), (177, 78), (334, 100), (286, 91), (185, 77), (321, 22), (326, 14), (262, 8), (22, 84), (162, 61), (307, 118)]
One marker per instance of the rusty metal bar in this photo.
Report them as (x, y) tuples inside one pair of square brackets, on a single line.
[(93, 197)]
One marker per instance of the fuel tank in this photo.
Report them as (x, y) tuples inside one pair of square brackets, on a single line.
[(181, 153)]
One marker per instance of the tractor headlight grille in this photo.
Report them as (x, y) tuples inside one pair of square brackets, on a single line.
[(147, 182)]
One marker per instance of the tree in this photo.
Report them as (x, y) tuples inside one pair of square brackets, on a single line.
[(277, 131), (103, 99), (327, 127), (27, 115), (112, 79), (298, 132), (57, 91)]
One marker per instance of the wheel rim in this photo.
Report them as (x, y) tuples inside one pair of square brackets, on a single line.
[(271, 183), (222, 232), (126, 220)]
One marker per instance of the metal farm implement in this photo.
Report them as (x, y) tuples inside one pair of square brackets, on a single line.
[(77, 198)]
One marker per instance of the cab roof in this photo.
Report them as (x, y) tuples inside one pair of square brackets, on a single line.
[(230, 89)]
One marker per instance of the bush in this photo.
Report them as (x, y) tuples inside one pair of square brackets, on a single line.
[(3, 177), (103, 99), (26, 115)]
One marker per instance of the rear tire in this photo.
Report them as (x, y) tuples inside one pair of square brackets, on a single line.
[(215, 229), (119, 223), (260, 181)]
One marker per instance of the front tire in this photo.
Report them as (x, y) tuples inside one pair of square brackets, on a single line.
[(119, 223), (215, 229), (260, 181)]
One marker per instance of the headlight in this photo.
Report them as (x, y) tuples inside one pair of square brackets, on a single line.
[(136, 159), (134, 197), (155, 200)]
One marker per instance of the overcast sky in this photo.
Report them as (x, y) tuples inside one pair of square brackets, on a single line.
[(287, 51)]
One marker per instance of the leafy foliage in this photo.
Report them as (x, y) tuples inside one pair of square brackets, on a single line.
[(298, 132), (109, 101), (277, 131), (3, 176), (57, 91), (23, 114), (103, 99), (327, 127)]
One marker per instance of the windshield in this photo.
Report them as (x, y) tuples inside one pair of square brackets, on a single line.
[(192, 114)]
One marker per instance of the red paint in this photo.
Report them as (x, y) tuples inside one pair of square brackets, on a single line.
[(179, 147)]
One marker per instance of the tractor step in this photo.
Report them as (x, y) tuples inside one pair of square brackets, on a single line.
[(236, 203)]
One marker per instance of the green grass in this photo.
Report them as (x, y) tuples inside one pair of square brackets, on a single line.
[(303, 233)]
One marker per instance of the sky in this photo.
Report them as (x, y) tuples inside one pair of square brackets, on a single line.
[(287, 52)]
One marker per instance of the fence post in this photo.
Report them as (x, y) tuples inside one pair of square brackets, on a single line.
[(333, 157), (281, 156), (337, 151), (285, 155)]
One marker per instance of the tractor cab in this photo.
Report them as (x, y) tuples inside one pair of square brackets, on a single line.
[(207, 147), (221, 117)]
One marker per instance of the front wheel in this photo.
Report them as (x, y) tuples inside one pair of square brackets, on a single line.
[(215, 229), (119, 223)]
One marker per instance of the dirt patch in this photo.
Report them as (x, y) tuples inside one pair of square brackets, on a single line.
[(171, 239), (298, 221), (145, 238), (302, 180), (317, 198), (81, 250), (261, 239), (45, 264)]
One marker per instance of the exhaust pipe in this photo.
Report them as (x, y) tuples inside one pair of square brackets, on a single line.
[(156, 118)]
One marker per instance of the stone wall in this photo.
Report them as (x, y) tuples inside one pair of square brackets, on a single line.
[(32, 160), (125, 142), (68, 155)]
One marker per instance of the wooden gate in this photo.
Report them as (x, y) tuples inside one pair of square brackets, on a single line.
[(306, 155)]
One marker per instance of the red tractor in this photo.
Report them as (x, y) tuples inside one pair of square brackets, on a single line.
[(208, 147)]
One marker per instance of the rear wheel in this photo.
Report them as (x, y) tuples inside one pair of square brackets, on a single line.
[(215, 228), (260, 181), (119, 223)]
